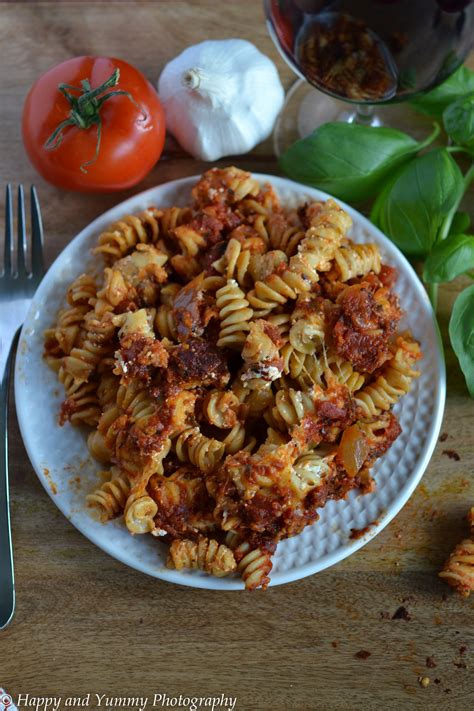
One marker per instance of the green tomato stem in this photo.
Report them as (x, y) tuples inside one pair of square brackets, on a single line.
[(85, 110)]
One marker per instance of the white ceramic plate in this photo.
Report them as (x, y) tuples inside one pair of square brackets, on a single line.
[(67, 472)]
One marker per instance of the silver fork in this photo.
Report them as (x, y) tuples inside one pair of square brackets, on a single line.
[(17, 286)]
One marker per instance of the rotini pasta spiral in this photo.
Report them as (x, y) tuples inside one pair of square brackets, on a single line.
[(357, 260), (282, 235), (110, 498), (275, 437), (235, 440), (83, 360), (345, 374), (165, 322), (139, 514), (172, 217), (190, 240), (263, 265), (251, 240), (225, 184), (320, 369), (135, 400), (183, 503), (98, 447), (458, 570), (256, 401), (107, 390), (82, 291), (70, 322), (234, 314), (264, 202), (140, 465), (328, 227), (373, 426), (308, 334), (134, 278), (283, 323), (124, 235), (235, 263), (232, 539), (204, 452), (101, 443), (253, 566), (291, 406), (205, 554), (310, 470), (259, 225), (59, 341), (221, 408), (294, 364), (261, 355), (277, 289), (81, 406), (392, 383)]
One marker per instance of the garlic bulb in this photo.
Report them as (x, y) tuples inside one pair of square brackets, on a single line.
[(221, 97)]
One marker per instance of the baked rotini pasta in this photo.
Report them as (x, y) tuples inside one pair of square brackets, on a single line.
[(237, 365), (124, 235), (110, 498), (204, 554), (458, 570)]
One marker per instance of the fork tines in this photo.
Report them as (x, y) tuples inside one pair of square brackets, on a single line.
[(20, 269)]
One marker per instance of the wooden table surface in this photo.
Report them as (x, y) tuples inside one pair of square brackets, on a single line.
[(85, 623)]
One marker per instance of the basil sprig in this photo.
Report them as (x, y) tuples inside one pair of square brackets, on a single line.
[(416, 192), (458, 119), (349, 160), (435, 102), (449, 259), (416, 206)]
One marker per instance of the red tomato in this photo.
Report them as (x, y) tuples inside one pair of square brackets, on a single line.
[(132, 126)]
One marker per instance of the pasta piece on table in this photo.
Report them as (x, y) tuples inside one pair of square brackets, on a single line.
[(458, 570)]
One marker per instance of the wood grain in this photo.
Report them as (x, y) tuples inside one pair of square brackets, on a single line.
[(84, 622)]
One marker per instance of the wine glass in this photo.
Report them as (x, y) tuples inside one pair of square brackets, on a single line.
[(354, 57)]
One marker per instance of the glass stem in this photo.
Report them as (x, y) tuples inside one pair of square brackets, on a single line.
[(365, 114)]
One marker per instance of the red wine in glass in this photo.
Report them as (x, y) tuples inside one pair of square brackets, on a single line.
[(372, 51)]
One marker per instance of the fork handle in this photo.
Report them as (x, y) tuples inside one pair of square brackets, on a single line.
[(7, 581)]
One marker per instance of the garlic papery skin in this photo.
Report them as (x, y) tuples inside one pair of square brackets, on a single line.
[(221, 97)]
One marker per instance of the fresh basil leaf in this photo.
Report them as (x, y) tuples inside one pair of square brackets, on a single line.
[(349, 161), (449, 258), (461, 333), (416, 205), (458, 119), (434, 102), (460, 223), (382, 196)]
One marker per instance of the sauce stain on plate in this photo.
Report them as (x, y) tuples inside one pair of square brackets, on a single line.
[(51, 483)]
